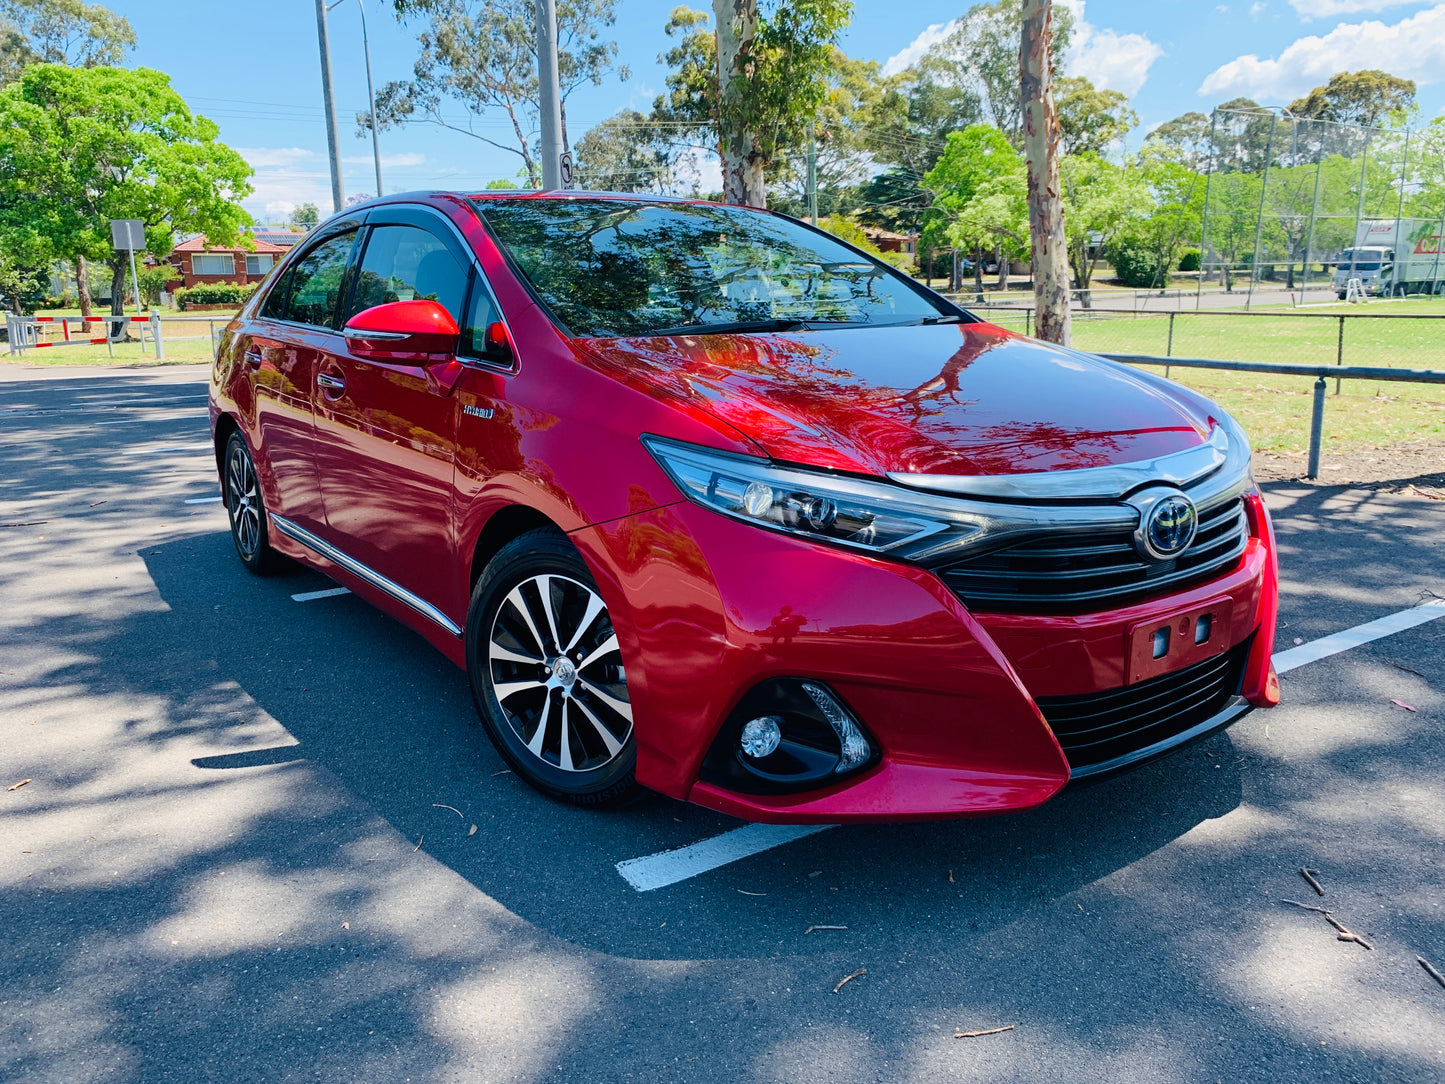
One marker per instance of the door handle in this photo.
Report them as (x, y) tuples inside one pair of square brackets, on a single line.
[(331, 382), (253, 357)]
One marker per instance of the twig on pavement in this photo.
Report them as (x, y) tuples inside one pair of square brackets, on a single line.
[(976, 1034), (846, 979)]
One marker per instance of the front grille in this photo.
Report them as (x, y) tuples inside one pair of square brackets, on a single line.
[(1101, 727), (1088, 570)]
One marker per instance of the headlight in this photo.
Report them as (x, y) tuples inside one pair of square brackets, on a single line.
[(874, 517)]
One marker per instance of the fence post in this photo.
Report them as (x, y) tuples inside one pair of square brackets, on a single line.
[(156, 333), (1028, 322), (1340, 351), (1317, 424)]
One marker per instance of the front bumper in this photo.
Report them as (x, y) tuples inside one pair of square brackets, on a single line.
[(707, 607)]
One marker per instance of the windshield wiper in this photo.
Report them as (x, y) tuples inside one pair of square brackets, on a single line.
[(776, 324), (950, 318)]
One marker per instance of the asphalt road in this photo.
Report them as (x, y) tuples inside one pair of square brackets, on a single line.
[(234, 859)]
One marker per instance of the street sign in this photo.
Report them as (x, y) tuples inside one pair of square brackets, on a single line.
[(565, 172), (127, 234)]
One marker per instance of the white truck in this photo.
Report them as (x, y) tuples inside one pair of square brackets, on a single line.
[(1394, 257)]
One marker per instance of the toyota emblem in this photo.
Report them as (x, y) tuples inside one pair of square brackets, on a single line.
[(1167, 522)]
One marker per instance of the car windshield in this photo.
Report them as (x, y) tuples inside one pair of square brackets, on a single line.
[(613, 268)]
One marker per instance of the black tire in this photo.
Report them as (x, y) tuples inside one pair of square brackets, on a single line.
[(566, 727), (245, 508)]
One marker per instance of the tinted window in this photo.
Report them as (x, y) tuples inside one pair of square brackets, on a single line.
[(616, 268), (481, 311), (404, 263), (315, 285)]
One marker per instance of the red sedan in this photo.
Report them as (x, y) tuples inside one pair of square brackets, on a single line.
[(705, 500)]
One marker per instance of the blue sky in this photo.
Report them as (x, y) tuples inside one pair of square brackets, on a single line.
[(253, 68)]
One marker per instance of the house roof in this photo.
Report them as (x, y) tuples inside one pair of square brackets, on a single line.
[(880, 235), (198, 244), (284, 239)]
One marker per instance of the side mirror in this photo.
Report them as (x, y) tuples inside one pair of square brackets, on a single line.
[(406, 331)]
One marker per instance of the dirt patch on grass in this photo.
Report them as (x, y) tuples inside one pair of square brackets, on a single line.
[(1416, 466)]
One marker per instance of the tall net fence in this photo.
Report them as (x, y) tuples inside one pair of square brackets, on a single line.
[(1304, 205)]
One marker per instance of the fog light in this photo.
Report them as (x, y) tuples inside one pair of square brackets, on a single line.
[(855, 747), (761, 736)]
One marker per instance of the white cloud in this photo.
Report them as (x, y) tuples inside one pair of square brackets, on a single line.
[(273, 157), (278, 210), (915, 50), (1328, 9), (1256, 10), (1105, 57), (1410, 49), (387, 160)]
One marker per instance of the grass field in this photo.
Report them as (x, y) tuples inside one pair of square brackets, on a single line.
[(1275, 410)]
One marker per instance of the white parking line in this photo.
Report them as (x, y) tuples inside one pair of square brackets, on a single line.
[(670, 867), (166, 449), (204, 500), (1333, 644), (330, 592)]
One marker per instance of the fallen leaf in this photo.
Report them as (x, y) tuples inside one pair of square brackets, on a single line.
[(22, 782), (346, 925), (472, 831), (1299, 639), (950, 877), (1397, 703)]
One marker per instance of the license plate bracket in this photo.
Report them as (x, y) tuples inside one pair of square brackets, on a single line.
[(1176, 640)]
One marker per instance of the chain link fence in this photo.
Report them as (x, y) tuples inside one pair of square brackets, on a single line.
[(1290, 201)]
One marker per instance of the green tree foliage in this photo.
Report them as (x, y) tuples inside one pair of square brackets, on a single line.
[(908, 124), (306, 217), (482, 55), (1090, 120), (1101, 200), (973, 158), (626, 153), (981, 54), (1185, 139), (68, 32), (79, 147), (1367, 98), (1177, 193)]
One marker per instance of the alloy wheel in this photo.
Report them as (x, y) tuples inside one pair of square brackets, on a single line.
[(243, 501), (556, 672)]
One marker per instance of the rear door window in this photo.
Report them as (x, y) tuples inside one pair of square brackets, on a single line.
[(406, 263), (314, 290)]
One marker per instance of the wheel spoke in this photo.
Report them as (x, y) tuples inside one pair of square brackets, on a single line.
[(520, 605), (594, 606), (540, 735), (544, 591), (613, 745), (564, 751), (622, 707), (606, 647), (512, 688), (502, 654)]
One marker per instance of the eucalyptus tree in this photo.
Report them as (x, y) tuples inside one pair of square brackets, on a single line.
[(481, 55)]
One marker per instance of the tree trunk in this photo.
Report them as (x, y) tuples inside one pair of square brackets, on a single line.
[(742, 165), (82, 289), (1041, 147), (978, 272), (1002, 273)]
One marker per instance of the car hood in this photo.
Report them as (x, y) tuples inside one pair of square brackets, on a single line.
[(946, 399)]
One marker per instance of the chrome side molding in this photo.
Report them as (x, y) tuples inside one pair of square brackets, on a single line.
[(356, 568), (1178, 468)]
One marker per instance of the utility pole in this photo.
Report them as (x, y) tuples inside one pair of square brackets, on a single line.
[(813, 173), (549, 97), (338, 189), (370, 97)]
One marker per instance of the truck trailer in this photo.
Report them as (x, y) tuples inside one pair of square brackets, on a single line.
[(1393, 257)]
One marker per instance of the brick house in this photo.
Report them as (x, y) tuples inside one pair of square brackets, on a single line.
[(887, 241), (196, 262)]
